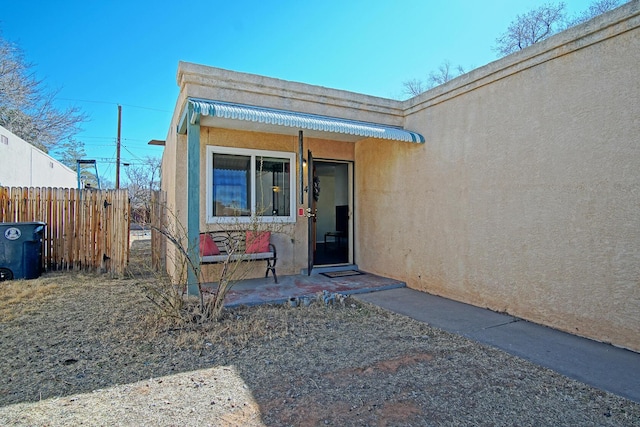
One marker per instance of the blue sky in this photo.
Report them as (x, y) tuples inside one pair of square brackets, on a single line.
[(101, 54)]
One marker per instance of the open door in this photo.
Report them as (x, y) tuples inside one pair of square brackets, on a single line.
[(334, 228), (311, 211)]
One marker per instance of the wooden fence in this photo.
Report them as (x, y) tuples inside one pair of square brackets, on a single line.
[(86, 229)]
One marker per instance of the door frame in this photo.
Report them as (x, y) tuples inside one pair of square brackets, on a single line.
[(351, 209)]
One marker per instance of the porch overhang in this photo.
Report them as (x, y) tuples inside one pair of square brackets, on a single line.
[(251, 117)]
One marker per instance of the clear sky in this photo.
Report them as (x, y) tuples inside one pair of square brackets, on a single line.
[(101, 54)]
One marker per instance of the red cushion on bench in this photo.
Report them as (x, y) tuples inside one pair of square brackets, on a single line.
[(257, 242), (207, 246)]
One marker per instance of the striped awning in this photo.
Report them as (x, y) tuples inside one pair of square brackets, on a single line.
[(296, 120)]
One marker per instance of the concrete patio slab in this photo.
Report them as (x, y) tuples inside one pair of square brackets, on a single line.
[(266, 291)]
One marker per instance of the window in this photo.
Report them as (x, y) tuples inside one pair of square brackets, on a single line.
[(242, 183)]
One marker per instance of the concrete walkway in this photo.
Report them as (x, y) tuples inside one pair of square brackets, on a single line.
[(599, 365)]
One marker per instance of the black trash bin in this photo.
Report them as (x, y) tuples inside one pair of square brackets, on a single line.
[(21, 250)]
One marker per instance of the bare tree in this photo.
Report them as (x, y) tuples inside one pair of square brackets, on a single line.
[(532, 27), (414, 87), (143, 179), (543, 22), (596, 8), (69, 151), (27, 106), (444, 73)]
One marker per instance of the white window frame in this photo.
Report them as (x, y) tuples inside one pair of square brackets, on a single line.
[(214, 149)]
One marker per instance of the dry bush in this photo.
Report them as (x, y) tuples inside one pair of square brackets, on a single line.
[(168, 299), (169, 295)]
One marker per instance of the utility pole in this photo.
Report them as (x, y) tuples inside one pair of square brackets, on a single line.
[(118, 148)]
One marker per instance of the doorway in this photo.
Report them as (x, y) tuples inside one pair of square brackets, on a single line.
[(334, 220)]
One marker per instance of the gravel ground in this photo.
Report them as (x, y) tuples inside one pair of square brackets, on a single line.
[(84, 349)]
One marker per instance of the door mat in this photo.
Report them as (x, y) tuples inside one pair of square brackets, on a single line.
[(344, 273)]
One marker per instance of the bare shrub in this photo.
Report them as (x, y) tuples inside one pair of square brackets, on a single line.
[(170, 297)]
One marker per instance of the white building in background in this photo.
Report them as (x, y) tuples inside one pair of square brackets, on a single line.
[(23, 165)]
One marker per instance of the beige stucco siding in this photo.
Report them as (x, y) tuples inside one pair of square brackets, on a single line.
[(526, 196), (200, 81)]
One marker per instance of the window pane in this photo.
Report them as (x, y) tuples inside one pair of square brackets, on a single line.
[(273, 192), (231, 185)]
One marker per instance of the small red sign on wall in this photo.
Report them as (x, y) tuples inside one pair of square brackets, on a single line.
[(300, 211)]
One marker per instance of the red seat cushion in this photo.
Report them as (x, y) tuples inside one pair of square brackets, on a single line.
[(207, 246), (257, 242)]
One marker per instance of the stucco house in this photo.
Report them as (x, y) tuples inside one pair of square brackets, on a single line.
[(514, 187), (23, 165)]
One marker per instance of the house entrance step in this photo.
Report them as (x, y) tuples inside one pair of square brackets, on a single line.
[(329, 268)]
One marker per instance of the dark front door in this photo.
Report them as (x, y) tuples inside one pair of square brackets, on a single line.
[(333, 225)]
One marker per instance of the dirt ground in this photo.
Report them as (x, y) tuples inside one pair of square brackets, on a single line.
[(85, 349)]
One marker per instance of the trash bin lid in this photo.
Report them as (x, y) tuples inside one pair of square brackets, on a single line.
[(13, 231)]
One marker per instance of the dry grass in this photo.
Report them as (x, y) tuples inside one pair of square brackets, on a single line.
[(19, 297), (239, 327), (93, 351)]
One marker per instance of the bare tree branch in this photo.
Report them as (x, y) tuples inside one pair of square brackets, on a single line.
[(445, 73), (532, 27), (27, 106), (413, 87), (596, 8), (142, 181)]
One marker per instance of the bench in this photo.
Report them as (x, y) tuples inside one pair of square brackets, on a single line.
[(221, 246)]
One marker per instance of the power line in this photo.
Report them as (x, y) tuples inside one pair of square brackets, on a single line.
[(114, 103), (147, 108), (98, 145), (87, 100), (134, 139), (134, 155)]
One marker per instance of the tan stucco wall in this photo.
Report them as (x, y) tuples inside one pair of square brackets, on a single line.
[(526, 196), (174, 183), (200, 81), (524, 199)]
